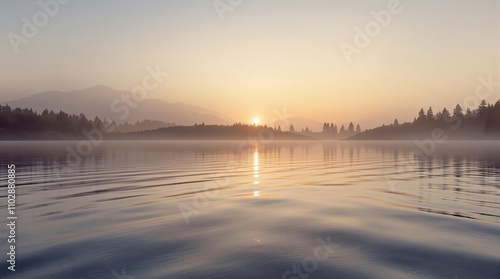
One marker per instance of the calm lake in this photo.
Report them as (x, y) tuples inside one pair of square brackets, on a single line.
[(296, 210)]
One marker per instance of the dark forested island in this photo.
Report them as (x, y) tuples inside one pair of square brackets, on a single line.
[(482, 123)]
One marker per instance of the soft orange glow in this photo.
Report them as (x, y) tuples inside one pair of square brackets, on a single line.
[(247, 65), (256, 193)]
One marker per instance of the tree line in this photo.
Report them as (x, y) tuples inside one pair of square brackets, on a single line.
[(332, 129), (17, 120), (482, 122)]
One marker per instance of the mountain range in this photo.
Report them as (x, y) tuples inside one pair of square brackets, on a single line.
[(100, 100)]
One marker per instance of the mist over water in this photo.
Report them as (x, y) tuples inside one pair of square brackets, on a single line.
[(213, 210)]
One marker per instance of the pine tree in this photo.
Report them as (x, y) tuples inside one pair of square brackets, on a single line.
[(468, 113), (326, 127), (458, 112), (430, 114), (421, 115), (351, 128), (482, 110), (445, 114)]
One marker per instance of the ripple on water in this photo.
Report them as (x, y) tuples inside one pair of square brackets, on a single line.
[(388, 215)]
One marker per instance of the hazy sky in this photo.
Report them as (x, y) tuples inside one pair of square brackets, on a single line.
[(264, 54)]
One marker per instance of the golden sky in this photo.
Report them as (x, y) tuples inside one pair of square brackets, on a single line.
[(262, 55)]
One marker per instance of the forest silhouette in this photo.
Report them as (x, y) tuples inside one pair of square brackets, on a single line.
[(19, 123), (480, 123)]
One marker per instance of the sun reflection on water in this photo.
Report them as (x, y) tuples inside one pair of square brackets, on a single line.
[(256, 193)]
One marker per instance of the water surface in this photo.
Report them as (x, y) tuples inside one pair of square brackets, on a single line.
[(224, 210)]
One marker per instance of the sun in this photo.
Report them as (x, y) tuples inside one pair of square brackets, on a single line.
[(256, 121)]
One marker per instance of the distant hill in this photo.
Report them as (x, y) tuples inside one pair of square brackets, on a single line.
[(298, 123), (26, 124), (97, 101), (482, 123), (214, 132)]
